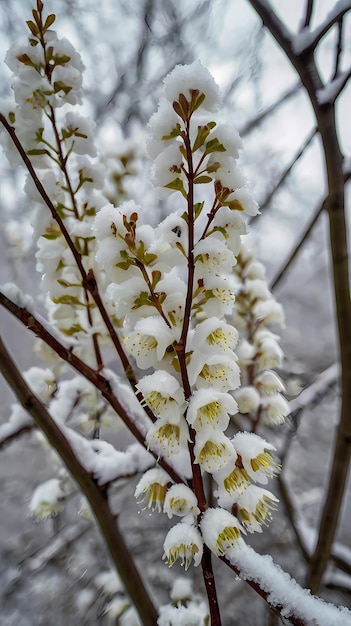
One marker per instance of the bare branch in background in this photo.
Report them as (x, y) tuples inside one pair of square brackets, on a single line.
[(286, 172), (338, 51), (251, 125), (301, 55), (308, 13)]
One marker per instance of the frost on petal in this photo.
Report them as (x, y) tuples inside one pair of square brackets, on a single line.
[(186, 78), (255, 456), (183, 542), (220, 530), (153, 487), (180, 500)]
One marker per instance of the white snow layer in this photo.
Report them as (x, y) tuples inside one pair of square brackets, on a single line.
[(284, 591)]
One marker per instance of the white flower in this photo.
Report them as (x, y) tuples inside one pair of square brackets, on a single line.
[(218, 295), (269, 352), (163, 394), (212, 334), (161, 124), (187, 78), (79, 134), (255, 270), (215, 371), (237, 480), (269, 383), (153, 487), (274, 409), (248, 399), (229, 225), (46, 499), (167, 168), (254, 507), (180, 500), (270, 312), (229, 137), (213, 450), (183, 542), (255, 456), (167, 438), (209, 407), (245, 352), (212, 256), (257, 289), (149, 341), (220, 530)]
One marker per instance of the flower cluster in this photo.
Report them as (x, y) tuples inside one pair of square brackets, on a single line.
[(177, 301), (255, 313), (187, 303)]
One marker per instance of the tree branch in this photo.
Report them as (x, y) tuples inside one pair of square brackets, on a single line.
[(95, 378), (95, 495)]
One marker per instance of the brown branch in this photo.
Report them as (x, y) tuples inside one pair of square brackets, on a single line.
[(95, 495), (95, 378), (316, 35), (308, 14), (338, 48)]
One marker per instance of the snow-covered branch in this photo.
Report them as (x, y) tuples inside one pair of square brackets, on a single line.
[(306, 40)]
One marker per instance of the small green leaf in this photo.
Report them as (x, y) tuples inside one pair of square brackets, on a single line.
[(175, 132), (214, 146), (37, 152), (156, 277), (32, 27), (177, 184), (201, 180), (25, 59), (198, 208), (76, 328), (198, 101), (49, 21)]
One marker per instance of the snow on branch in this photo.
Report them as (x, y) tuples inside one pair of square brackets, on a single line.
[(332, 90), (282, 592), (307, 40)]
